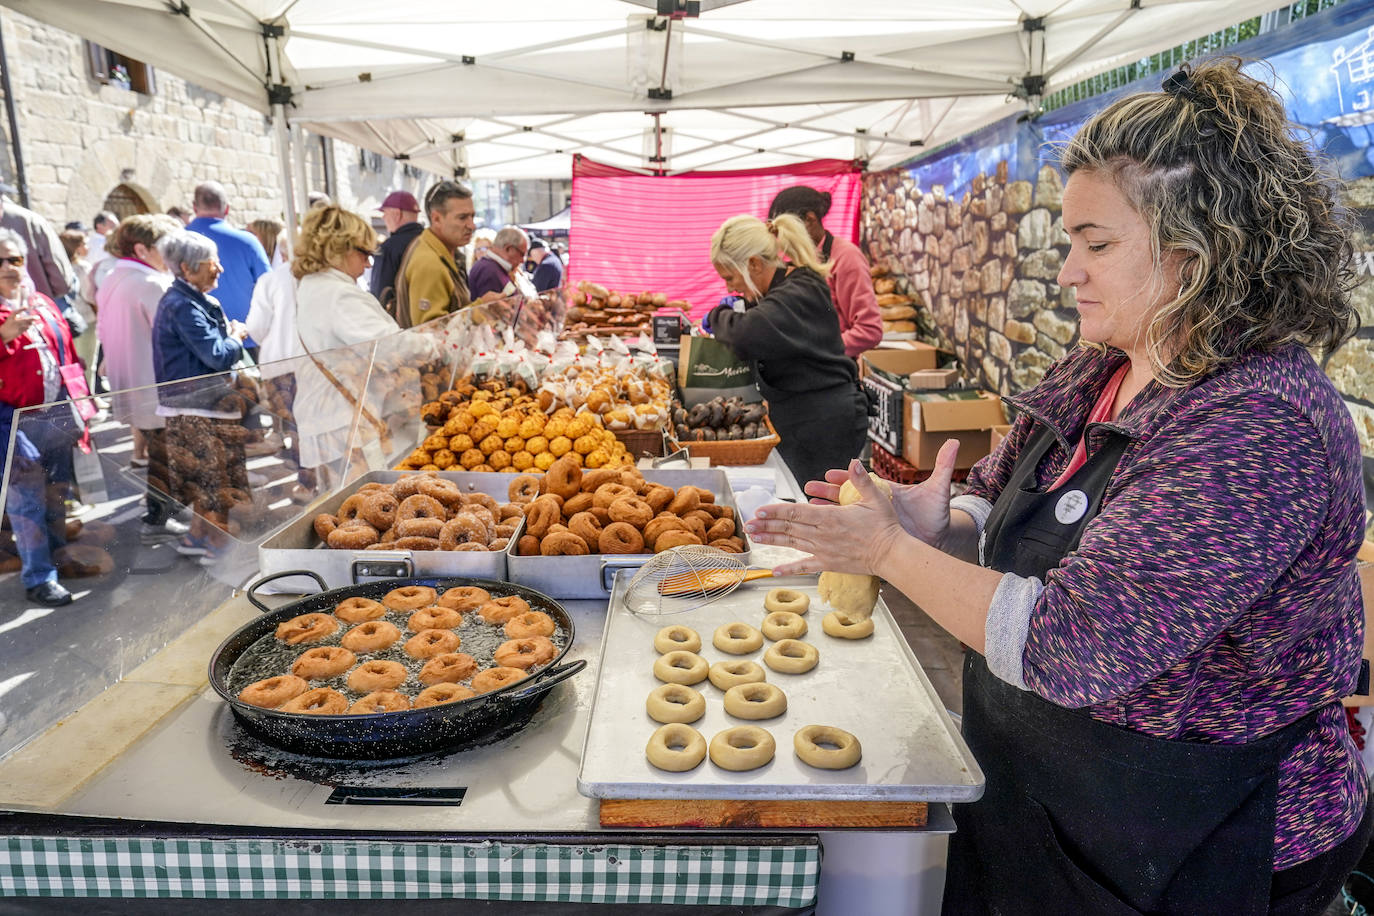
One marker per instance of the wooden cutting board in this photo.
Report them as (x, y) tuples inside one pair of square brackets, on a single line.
[(713, 812)]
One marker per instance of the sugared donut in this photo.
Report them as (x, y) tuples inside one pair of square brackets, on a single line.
[(826, 747), (500, 610), (675, 703), (380, 701), (839, 625), (323, 662), (352, 508), (464, 598), (737, 638), (533, 623), (496, 678), (435, 617), (376, 674), (420, 528), (442, 693), (306, 628), (409, 597), (274, 691), (324, 524), (679, 667), (523, 489), (420, 506), (359, 610), (675, 747), (322, 701), (445, 491), (463, 528), (379, 509), (783, 625), (791, 656), (355, 535), (673, 638), (755, 701), (744, 747), (448, 668), (371, 636), (786, 599), (429, 643), (525, 653)]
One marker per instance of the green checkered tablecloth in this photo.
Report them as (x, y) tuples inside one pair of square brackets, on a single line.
[(783, 875)]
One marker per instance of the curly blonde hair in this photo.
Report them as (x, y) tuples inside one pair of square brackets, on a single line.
[(740, 238), (327, 236), (1214, 167)]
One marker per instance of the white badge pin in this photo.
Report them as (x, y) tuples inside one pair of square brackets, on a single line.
[(1071, 507)]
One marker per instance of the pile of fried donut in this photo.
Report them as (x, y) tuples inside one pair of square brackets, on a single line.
[(677, 747), (419, 631), (419, 512), (570, 512)]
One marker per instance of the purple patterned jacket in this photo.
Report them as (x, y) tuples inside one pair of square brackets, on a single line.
[(1215, 598)]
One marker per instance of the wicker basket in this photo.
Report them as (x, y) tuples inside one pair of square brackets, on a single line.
[(641, 443), (735, 451)]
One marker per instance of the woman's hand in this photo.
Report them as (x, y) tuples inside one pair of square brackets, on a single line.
[(16, 324)]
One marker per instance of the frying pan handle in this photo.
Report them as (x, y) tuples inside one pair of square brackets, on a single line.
[(547, 679), (281, 575)]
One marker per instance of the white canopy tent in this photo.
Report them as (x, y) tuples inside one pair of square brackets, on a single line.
[(513, 90)]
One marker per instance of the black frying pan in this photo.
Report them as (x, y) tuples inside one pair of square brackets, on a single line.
[(382, 736)]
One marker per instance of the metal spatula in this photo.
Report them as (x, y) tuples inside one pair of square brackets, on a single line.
[(684, 578)]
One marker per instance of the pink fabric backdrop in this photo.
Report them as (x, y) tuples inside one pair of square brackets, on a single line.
[(634, 232)]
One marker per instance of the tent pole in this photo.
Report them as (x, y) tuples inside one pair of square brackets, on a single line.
[(287, 191), (298, 164)]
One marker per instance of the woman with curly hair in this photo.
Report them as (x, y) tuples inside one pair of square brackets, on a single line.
[(1155, 572)]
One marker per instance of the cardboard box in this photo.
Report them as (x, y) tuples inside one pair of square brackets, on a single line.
[(930, 419), (999, 432), (885, 374), (895, 364), (928, 379), (1367, 587)]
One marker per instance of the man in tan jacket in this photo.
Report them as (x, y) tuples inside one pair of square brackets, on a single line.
[(430, 273)]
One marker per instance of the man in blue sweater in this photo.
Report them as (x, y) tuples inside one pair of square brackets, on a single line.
[(240, 253)]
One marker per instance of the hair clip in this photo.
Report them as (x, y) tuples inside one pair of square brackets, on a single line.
[(1180, 83), (771, 226)]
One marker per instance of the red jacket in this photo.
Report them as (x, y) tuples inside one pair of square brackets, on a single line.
[(851, 288), (21, 371)]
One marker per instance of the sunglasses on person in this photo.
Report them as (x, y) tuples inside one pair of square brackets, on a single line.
[(17, 261)]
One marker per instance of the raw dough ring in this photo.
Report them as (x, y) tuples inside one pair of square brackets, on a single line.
[(744, 747), (737, 639), (733, 673), (786, 599), (755, 701), (675, 703), (791, 656), (676, 747), (680, 667), (844, 750), (671, 639), (783, 625), (839, 625)]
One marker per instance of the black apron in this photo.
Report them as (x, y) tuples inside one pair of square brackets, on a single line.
[(1083, 817)]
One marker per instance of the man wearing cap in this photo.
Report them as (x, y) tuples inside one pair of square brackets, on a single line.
[(48, 265), (401, 214), (548, 274)]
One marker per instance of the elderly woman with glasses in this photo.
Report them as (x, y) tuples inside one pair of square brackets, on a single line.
[(191, 339)]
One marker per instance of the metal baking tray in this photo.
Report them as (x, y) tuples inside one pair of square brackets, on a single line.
[(296, 546), (873, 688), (590, 576)]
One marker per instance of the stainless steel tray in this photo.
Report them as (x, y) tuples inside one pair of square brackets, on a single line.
[(296, 546), (591, 576), (871, 687)]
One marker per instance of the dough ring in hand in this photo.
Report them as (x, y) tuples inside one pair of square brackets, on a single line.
[(755, 701), (737, 638), (783, 625), (826, 747), (672, 638), (786, 599), (839, 625), (732, 673), (791, 656), (744, 747), (680, 667), (676, 747), (675, 703)]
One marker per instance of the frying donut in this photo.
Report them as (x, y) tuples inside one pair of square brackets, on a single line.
[(420, 528), (786, 599), (379, 510), (675, 703), (534, 623), (631, 509), (323, 662), (525, 653), (563, 478), (735, 672), (670, 539), (540, 515), (322, 701), (783, 625), (442, 693), (620, 537), (354, 535), (371, 636), (744, 747), (524, 488), (495, 679), (448, 668), (462, 529), (838, 624), (274, 691), (759, 700), (409, 597), (676, 748), (562, 544), (420, 506), (737, 638), (499, 610), (464, 598), (380, 701), (434, 617), (358, 610), (585, 526), (306, 628), (429, 643), (671, 639), (680, 667), (826, 747), (376, 674), (791, 656)]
